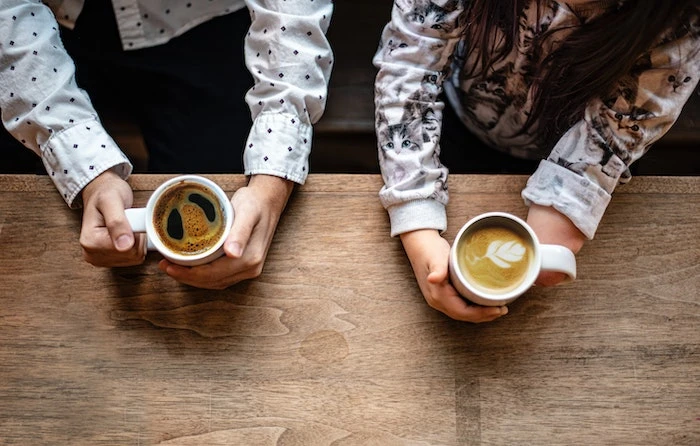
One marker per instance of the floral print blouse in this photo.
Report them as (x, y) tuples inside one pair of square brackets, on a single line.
[(422, 55), (286, 51)]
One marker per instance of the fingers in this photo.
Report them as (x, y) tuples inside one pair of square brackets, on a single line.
[(105, 236), (99, 249), (550, 278), (438, 273), (117, 224), (204, 276), (442, 296), (217, 275), (241, 231), (456, 308)]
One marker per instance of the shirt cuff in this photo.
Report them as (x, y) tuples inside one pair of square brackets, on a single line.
[(76, 155), (417, 214), (581, 200), (279, 144)]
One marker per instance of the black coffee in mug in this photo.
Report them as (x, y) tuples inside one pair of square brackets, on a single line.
[(188, 218)]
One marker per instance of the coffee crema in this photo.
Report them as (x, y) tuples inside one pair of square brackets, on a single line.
[(188, 218), (495, 259)]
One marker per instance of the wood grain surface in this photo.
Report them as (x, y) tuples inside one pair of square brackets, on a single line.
[(334, 344)]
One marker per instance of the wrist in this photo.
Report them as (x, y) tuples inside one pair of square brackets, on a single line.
[(98, 182), (272, 189), (553, 227), (418, 234), (415, 239)]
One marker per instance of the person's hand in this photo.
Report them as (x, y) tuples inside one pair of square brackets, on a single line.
[(429, 254), (553, 227), (257, 209), (106, 236)]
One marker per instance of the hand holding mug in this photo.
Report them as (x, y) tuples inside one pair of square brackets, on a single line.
[(554, 228), (429, 254), (496, 257), (105, 235), (258, 207)]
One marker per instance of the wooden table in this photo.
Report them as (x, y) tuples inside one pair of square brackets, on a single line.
[(334, 344)]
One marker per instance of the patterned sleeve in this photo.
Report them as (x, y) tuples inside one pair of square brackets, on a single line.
[(290, 59), (587, 163), (43, 108), (413, 58)]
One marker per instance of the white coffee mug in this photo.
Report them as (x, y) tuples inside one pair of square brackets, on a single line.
[(142, 220), (491, 268)]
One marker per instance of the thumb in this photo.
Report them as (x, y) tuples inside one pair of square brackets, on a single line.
[(437, 273), (238, 238), (120, 232)]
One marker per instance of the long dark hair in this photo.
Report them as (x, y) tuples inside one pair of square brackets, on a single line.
[(588, 63)]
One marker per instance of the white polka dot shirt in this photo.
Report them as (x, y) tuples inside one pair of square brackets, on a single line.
[(285, 49)]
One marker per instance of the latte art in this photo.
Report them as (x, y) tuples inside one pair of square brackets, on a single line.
[(495, 258), (504, 254)]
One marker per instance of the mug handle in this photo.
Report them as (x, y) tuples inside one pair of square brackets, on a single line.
[(137, 221), (559, 259)]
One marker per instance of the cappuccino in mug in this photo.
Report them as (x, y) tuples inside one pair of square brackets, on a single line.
[(496, 257), (188, 218)]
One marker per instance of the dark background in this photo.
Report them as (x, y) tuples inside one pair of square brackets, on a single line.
[(344, 139)]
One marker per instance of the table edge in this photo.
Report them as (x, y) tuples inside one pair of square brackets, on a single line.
[(372, 183)]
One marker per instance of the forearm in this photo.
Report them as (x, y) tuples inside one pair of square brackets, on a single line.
[(290, 59), (412, 59), (412, 241), (593, 156), (42, 106), (38, 93)]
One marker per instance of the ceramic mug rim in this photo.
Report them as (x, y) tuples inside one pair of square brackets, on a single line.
[(221, 197), (476, 294)]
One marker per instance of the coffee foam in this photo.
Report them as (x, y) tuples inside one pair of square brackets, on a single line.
[(187, 226), (495, 259)]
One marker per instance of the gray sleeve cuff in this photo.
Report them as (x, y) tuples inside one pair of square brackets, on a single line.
[(581, 200), (417, 214)]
